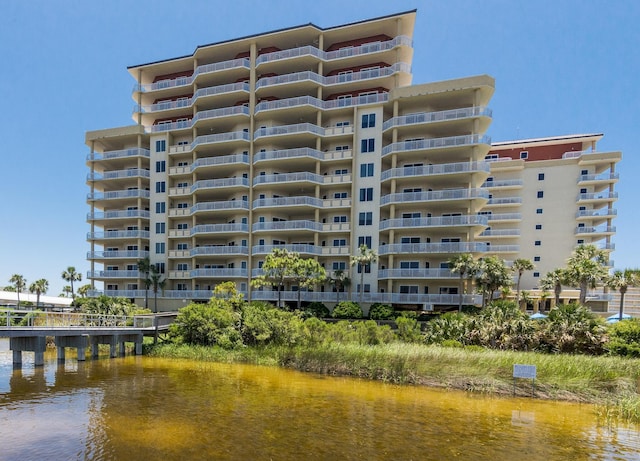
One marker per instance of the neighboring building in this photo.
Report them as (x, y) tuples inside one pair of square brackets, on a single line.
[(549, 195), (314, 140)]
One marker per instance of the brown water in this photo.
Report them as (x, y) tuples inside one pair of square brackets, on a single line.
[(139, 408)]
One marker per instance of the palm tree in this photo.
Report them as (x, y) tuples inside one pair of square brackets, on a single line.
[(340, 281), (554, 281), (157, 283), (20, 283), (84, 290), (621, 281), (363, 259), (70, 275), (66, 290), (519, 266), (39, 287), (462, 265), (144, 267), (586, 268)]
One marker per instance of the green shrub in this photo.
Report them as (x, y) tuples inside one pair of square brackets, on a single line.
[(263, 324), (624, 338), (572, 328), (208, 324), (317, 309), (501, 325), (452, 343), (347, 310), (368, 333), (314, 331), (448, 326), (408, 330), (379, 311)]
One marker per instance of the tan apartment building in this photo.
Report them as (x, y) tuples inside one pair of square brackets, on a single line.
[(314, 140)]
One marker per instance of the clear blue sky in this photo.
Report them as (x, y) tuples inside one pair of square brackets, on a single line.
[(561, 67)]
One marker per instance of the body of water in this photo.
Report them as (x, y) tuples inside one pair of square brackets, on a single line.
[(142, 408)]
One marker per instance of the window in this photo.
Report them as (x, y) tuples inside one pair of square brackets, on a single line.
[(580, 241), (160, 267), (341, 148), (524, 155), (160, 227), (339, 242), (409, 289), (339, 265), (161, 207), (367, 268), (161, 187), (583, 190), (536, 259), (183, 226), (410, 240), (538, 226), (536, 274), (365, 219), (368, 120), (537, 243), (367, 145), (183, 246), (183, 266), (181, 287), (364, 241), (540, 194), (161, 146), (583, 172), (366, 170), (367, 288), (183, 205), (410, 265), (161, 166), (345, 123), (341, 195), (540, 176), (339, 219), (160, 248), (341, 172), (538, 210), (182, 185), (366, 194)]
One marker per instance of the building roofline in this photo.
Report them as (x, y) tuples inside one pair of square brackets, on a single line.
[(310, 24), (570, 137)]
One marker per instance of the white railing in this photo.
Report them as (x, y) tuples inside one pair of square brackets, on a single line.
[(132, 173), (219, 228), (220, 250), (18, 319), (504, 216), (440, 221), (135, 274), (288, 177), (436, 143), (448, 194), (430, 170), (221, 112), (602, 213), (118, 194), (598, 196), (119, 214), (599, 177), (416, 273), (301, 224), (304, 248), (138, 254), (288, 201), (289, 129), (289, 78), (504, 200), (596, 230), (125, 234), (290, 102), (219, 273), (422, 248), (215, 183), (502, 248), (125, 153), (500, 233), (356, 101), (438, 116), (288, 153), (503, 183), (202, 92), (221, 160), (220, 137), (180, 125), (221, 205)]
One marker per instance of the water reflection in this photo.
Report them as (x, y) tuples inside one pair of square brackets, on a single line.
[(143, 408)]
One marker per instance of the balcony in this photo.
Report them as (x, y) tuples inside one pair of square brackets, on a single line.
[(220, 137), (428, 248), (119, 214), (219, 183), (188, 102), (433, 170), (298, 225), (235, 159), (219, 206), (442, 221), (124, 234), (603, 213), (219, 273), (299, 201), (220, 250), (598, 197), (126, 254), (434, 196), (435, 143), (179, 254), (120, 174), (284, 130), (439, 116), (302, 176), (302, 248), (125, 153), (337, 227), (490, 249), (220, 113), (504, 217), (114, 274), (119, 194), (289, 103), (169, 126), (289, 78), (203, 229), (607, 178), (285, 154), (504, 184), (504, 201), (416, 274), (489, 233), (600, 230)]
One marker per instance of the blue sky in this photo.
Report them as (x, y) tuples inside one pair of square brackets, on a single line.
[(561, 67)]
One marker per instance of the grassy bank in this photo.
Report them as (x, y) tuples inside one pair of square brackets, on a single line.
[(610, 382)]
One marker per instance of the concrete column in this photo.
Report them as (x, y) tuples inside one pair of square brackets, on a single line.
[(61, 356), (17, 359)]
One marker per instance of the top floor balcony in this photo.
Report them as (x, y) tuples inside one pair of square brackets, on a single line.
[(438, 116), (123, 153), (118, 174)]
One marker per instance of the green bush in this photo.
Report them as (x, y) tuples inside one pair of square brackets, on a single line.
[(208, 324), (347, 310), (624, 338), (449, 326), (262, 325), (572, 329), (314, 331), (501, 325), (379, 311), (452, 343), (368, 333), (317, 309), (408, 330)]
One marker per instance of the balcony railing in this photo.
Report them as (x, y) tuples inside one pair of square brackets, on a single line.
[(503, 183), (440, 221), (425, 248), (125, 153), (221, 112), (125, 234), (218, 273), (288, 153), (288, 201), (220, 250), (218, 183), (288, 177), (432, 196), (504, 201), (500, 233), (435, 143), (288, 129), (504, 217), (602, 213), (118, 194), (429, 117), (122, 254), (220, 160), (119, 214), (187, 102), (221, 137), (607, 177), (160, 127), (132, 173), (596, 230), (430, 170), (503, 249), (417, 274), (219, 228), (303, 248), (116, 274), (598, 196), (301, 224), (220, 205)]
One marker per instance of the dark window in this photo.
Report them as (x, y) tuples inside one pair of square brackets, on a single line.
[(161, 146), (364, 241), (538, 210), (367, 145), (366, 170), (537, 243), (365, 219), (538, 226), (540, 176), (540, 194), (366, 195), (160, 247), (536, 258), (524, 155), (160, 228), (368, 120), (161, 186), (536, 274), (161, 166), (161, 207)]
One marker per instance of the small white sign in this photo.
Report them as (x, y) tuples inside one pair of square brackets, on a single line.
[(524, 371)]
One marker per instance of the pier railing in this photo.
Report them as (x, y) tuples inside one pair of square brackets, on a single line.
[(35, 319)]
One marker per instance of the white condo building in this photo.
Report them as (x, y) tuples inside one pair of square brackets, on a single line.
[(315, 140)]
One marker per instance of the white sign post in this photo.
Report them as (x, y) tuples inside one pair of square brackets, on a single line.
[(526, 372)]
